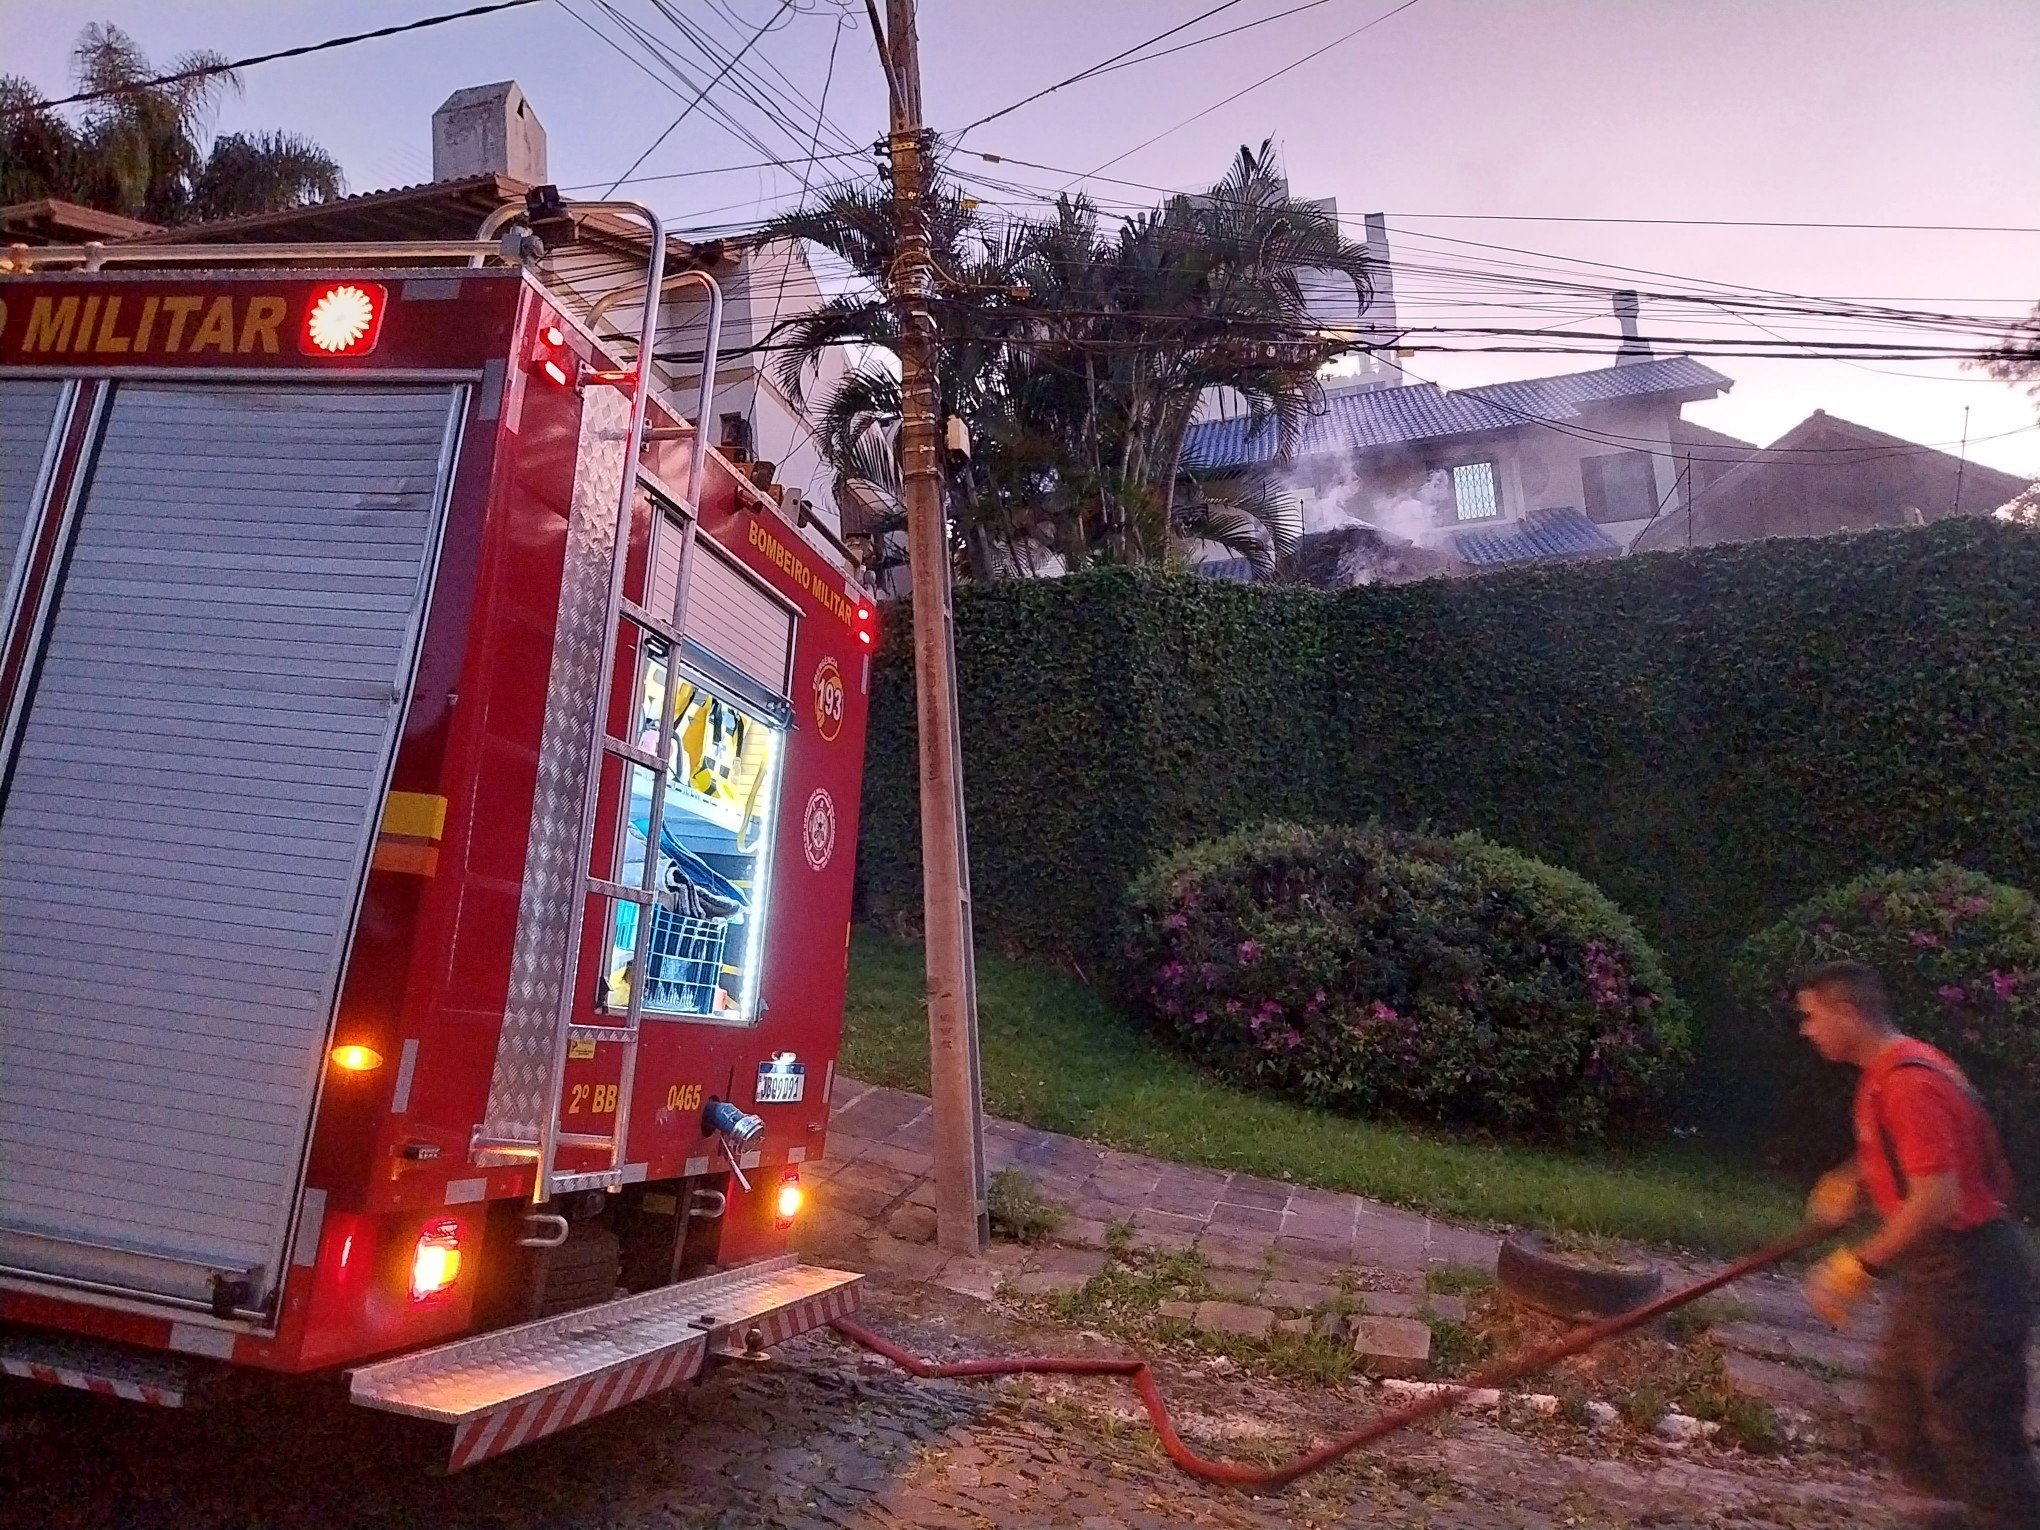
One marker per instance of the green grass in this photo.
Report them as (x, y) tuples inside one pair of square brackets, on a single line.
[(1458, 1280), (1058, 1056), (1019, 1211)]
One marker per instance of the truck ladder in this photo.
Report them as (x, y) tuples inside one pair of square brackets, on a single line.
[(548, 1179)]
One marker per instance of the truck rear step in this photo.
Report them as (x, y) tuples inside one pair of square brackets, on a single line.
[(105, 1370), (504, 1389)]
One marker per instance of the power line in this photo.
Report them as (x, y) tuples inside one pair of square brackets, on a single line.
[(786, 266), (1711, 294), (1927, 228), (756, 38), (748, 84), (265, 58), (688, 175), (1944, 228), (1198, 42), (1101, 67), (843, 137), (1286, 68), (682, 72)]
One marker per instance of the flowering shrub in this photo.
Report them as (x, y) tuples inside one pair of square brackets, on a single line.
[(1382, 972), (1961, 956)]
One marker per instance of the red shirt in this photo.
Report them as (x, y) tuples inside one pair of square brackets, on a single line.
[(1933, 1125)]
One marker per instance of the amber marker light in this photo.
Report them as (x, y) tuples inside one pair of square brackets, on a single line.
[(787, 1203), (435, 1264), (356, 1059)]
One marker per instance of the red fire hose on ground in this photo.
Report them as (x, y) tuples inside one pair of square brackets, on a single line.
[(1499, 1374)]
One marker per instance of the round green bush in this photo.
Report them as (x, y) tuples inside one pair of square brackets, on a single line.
[(1382, 972), (1961, 956)]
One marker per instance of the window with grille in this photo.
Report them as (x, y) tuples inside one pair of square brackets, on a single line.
[(1475, 494), (1620, 486)]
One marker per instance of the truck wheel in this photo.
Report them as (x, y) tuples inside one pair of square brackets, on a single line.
[(1529, 1271)]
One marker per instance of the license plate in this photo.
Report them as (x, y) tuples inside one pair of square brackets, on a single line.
[(782, 1081)]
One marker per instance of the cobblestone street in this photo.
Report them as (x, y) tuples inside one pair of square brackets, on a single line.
[(825, 1435)]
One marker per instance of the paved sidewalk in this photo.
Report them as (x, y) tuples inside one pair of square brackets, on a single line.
[(1281, 1245), (878, 1170)]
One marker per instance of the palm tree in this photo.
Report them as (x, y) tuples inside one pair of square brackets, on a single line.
[(138, 152), (1077, 355)]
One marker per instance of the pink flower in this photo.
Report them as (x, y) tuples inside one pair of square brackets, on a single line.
[(1234, 1007), (1176, 922), (1170, 973), (1249, 953), (2004, 984), (1923, 938), (1291, 1040), (1199, 1017), (1382, 1012), (1952, 993)]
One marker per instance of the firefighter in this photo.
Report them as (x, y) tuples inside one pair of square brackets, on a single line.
[(1949, 1383)]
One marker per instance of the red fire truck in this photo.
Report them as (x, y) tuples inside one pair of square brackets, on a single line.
[(430, 789)]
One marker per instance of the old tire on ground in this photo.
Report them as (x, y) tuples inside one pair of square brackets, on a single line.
[(1531, 1272)]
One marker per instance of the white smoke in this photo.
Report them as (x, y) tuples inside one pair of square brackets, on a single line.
[(1396, 496)]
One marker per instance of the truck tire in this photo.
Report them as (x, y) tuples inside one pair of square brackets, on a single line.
[(1529, 1271)]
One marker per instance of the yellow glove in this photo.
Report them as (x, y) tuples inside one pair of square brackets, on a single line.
[(1837, 1285), (1837, 1197)]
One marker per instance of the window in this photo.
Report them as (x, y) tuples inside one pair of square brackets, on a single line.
[(714, 866), (1475, 494), (1620, 486)]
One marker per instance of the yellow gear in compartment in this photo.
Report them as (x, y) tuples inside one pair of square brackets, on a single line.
[(713, 745)]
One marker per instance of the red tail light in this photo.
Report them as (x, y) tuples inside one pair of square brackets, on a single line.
[(550, 356), (867, 625)]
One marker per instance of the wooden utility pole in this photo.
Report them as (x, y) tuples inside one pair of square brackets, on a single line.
[(961, 1224)]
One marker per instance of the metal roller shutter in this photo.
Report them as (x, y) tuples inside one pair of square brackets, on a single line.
[(738, 621), (183, 840), (28, 408)]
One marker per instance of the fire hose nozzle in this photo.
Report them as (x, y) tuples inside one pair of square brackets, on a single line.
[(739, 1126)]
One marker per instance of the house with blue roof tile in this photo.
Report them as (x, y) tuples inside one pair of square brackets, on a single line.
[(1455, 480)]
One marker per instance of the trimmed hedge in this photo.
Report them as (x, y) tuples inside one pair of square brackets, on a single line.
[(1709, 737), (1380, 972), (1961, 956)]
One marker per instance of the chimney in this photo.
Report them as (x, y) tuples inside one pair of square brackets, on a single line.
[(1634, 347), (488, 129), (1379, 315)]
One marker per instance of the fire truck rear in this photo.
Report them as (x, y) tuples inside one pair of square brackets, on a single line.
[(430, 785)]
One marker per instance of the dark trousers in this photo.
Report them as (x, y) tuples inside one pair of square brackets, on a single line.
[(1949, 1404)]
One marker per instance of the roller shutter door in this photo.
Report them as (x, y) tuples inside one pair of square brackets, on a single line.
[(184, 834), (736, 619)]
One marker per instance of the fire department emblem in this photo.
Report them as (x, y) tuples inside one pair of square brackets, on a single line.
[(828, 700), (818, 829)]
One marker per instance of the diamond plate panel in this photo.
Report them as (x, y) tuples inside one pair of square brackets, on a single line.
[(470, 1378), (555, 862)]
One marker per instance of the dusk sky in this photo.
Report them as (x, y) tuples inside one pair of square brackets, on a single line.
[(1845, 111)]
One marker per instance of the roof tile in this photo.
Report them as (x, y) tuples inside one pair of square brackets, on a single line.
[(1365, 417), (1541, 534)]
